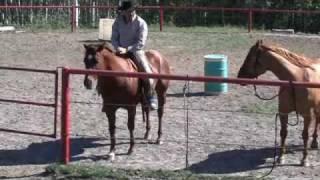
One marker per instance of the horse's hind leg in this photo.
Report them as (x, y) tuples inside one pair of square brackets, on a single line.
[(145, 112), (131, 117), (283, 135), (111, 115), (161, 100), (314, 144)]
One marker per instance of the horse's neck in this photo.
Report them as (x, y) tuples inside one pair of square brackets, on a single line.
[(110, 61), (281, 67)]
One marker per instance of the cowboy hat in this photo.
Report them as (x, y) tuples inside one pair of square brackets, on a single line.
[(127, 5)]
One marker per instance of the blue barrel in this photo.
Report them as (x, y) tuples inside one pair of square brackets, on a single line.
[(216, 65)]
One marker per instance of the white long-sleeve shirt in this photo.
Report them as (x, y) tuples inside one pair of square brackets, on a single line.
[(131, 35)]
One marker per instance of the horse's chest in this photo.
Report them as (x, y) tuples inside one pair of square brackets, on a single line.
[(119, 89)]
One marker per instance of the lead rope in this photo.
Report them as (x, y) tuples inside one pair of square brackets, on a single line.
[(274, 163), (271, 98), (186, 90), (275, 125), (263, 98)]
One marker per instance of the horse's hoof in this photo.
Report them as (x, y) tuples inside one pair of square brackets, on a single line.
[(111, 156), (130, 151), (159, 142), (305, 163), (147, 136), (314, 145), (281, 160)]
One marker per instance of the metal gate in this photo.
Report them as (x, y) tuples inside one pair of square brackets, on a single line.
[(54, 104)]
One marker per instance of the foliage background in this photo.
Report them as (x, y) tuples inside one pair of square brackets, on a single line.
[(60, 17)]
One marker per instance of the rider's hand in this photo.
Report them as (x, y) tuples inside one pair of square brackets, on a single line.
[(121, 50)]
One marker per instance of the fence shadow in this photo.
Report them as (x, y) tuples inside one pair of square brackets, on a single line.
[(234, 161), (45, 152), (50, 151)]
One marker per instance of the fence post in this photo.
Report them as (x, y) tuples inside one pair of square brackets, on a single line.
[(161, 18), (65, 116), (250, 20), (73, 16)]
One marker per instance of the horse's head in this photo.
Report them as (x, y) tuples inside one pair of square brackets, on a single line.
[(90, 61), (253, 66), (93, 59)]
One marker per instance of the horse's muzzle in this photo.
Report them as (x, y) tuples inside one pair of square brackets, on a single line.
[(87, 83)]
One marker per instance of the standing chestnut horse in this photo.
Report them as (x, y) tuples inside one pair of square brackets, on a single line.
[(124, 92), (290, 67)]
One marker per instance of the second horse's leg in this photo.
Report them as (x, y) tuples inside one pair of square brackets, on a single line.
[(314, 144), (305, 137), (283, 135)]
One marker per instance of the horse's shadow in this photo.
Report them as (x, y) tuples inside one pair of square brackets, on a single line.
[(235, 161), (45, 152), (50, 151)]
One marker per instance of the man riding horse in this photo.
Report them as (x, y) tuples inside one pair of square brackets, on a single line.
[(129, 35)]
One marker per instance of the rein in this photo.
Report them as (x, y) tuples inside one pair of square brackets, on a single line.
[(255, 87)]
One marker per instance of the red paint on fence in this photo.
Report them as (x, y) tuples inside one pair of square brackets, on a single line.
[(65, 115)]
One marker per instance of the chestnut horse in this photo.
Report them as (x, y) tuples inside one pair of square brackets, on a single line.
[(288, 66), (125, 92)]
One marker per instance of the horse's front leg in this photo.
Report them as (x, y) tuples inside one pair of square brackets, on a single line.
[(283, 135), (111, 115), (148, 125), (131, 124), (305, 137), (314, 144)]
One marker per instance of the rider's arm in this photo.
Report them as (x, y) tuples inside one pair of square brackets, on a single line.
[(141, 37), (115, 36)]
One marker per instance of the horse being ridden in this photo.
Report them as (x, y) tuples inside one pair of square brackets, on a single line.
[(290, 67), (124, 92), (129, 34)]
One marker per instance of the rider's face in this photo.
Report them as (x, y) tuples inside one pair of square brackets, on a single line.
[(128, 14)]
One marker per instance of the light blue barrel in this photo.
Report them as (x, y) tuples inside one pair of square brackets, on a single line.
[(216, 65)]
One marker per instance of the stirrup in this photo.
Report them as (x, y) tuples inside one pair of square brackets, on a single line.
[(153, 102)]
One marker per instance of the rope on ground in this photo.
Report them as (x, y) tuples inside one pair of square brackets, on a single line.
[(186, 90)]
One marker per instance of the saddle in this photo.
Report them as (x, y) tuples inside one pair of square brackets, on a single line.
[(144, 87)]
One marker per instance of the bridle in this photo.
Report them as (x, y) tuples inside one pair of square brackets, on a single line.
[(258, 54)]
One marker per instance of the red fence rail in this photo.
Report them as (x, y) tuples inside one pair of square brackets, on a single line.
[(53, 105), (249, 11), (66, 94)]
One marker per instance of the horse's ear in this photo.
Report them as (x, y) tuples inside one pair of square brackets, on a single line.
[(259, 43), (104, 45)]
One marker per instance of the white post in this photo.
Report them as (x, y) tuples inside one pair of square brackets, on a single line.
[(77, 13), (94, 13)]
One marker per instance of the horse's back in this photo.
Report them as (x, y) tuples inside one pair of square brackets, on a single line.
[(306, 97), (158, 62)]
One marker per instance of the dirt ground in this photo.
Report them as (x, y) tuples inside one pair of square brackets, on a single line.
[(223, 139)]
